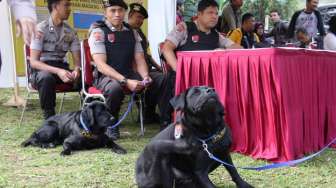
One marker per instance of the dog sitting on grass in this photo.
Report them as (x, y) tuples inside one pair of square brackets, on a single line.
[(176, 158), (85, 129)]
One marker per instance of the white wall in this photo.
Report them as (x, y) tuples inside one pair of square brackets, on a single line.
[(161, 20)]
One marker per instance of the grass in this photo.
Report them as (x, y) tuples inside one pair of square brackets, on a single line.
[(36, 167)]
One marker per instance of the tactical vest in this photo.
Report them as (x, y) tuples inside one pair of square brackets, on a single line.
[(120, 47), (198, 40)]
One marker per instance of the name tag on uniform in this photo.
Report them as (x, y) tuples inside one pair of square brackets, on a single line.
[(195, 38), (111, 37)]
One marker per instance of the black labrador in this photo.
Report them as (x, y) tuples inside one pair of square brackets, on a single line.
[(85, 129), (176, 156)]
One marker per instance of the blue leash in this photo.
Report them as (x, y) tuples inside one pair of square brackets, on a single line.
[(87, 130), (270, 166), (129, 108)]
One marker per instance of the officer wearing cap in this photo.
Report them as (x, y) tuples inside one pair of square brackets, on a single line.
[(136, 17), (193, 36), (116, 50), (53, 40)]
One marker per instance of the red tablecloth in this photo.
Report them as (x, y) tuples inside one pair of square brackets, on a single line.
[(280, 103)]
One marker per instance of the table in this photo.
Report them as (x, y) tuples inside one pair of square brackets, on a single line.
[(280, 103)]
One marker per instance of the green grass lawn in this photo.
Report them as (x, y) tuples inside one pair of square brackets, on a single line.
[(36, 167)]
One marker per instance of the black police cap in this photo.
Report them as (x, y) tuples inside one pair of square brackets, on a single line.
[(109, 3), (138, 8)]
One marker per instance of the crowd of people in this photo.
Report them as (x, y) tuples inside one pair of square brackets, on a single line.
[(121, 55)]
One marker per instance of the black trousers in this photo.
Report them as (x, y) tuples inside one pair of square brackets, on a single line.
[(166, 109), (115, 94), (46, 82), (153, 97)]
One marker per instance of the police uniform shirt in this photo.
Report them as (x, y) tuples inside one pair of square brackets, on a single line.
[(179, 37), (54, 42), (97, 39)]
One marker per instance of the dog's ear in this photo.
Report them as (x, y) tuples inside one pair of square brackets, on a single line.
[(178, 102), (89, 115)]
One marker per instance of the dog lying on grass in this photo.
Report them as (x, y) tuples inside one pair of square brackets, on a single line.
[(176, 157), (85, 129)]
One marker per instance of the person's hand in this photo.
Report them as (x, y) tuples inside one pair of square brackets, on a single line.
[(147, 81), (180, 27), (75, 73), (65, 75), (26, 27), (134, 85)]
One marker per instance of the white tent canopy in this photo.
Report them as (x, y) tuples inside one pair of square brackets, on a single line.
[(161, 20)]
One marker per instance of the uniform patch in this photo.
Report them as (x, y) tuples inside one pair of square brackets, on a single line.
[(111, 37), (195, 38), (98, 36)]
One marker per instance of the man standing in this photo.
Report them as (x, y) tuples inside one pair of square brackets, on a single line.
[(136, 17), (116, 50), (191, 36), (53, 40), (245, 35), (279, 31), (231, 16), (309, 19)]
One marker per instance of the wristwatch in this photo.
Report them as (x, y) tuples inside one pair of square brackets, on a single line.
[(123, 82)]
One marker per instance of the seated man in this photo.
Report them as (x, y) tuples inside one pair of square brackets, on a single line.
[(136, 17), (303, 39), (114, 47), (192, 36), (245, 36), (53, 40)]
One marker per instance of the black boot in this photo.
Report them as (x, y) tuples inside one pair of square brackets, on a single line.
[(48, 113), (114, 133)]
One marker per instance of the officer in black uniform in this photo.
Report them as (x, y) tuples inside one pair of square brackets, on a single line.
[(136, 17), (192, 36), (116, 50)]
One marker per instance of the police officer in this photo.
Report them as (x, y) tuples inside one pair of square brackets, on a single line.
[(53, 40), (136, 17), (197, 35), (116, 50)]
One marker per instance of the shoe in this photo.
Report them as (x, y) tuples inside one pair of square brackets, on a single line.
[(48, 113), (114, 133)]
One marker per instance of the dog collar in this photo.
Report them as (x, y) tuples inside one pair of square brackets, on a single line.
[(214, 138), (82, 123)]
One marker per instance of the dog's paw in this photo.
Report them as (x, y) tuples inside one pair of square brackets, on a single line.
[(25, 144), (119, 151), (65, 152)]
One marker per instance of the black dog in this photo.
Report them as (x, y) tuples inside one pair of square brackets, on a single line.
[(174, 157), (85, 129)]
